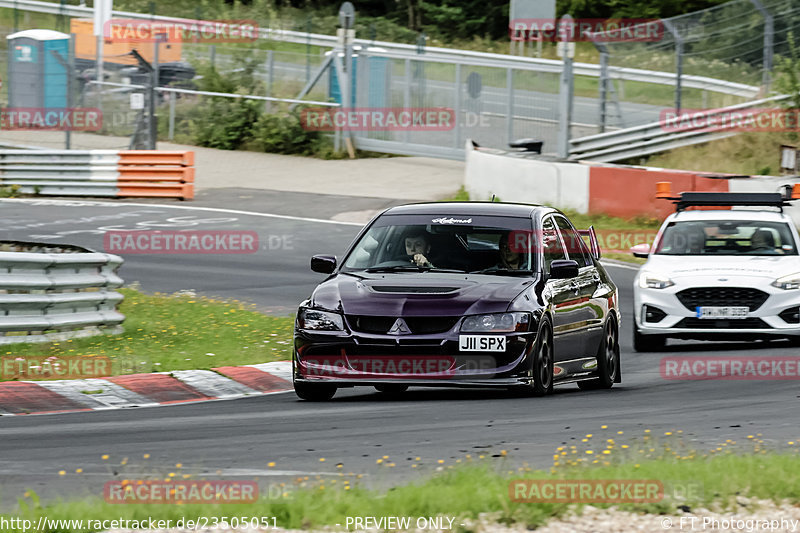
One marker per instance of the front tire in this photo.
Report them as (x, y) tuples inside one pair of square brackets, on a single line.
[(543, 361), (608, 360), (313, 392), (647, 343)]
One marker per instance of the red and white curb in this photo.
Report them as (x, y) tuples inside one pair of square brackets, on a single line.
[(144, 390)]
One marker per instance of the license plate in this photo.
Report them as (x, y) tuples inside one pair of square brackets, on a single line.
[(482, 343), (722, 312)]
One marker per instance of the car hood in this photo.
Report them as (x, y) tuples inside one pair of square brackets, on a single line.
[(428, 294), (678, 267)]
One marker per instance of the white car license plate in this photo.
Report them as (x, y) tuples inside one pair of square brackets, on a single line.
[(481, 343), (722, 312)]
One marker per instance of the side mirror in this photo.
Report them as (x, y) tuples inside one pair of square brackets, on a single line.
[(563, 269), (641, 250), (324, 264)]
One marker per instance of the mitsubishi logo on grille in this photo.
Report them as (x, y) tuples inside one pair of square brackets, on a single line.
[(399, 328)]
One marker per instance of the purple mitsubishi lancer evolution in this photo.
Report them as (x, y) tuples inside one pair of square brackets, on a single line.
[(457, 294)]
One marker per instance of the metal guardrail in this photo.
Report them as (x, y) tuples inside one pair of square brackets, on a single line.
[(652, 138), (52, 292), (61, 172), (431, 53)]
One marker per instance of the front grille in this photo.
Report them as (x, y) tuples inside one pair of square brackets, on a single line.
[(722, 296), (419, 325), (717, 323)]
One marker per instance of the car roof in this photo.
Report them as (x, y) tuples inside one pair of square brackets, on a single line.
[(730, 214), (470, 208)]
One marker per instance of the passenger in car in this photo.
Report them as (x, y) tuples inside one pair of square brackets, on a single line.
[(762, 241), (510, 258)]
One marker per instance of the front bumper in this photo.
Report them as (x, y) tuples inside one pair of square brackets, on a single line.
[(356, 359), (679, 321)]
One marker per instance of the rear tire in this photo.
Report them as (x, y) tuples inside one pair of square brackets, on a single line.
[(608, 360), (647, 343), (312, 392), (391, 389)]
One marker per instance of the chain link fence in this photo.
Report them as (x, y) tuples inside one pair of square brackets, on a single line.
[(737, 41)]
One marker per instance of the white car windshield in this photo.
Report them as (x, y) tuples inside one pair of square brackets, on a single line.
[(727, 237)]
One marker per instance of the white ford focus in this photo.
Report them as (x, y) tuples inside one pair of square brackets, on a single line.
[(719, 274)]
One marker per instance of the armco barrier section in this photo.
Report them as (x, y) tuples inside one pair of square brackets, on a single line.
[(156, 173), (53, 292), (107, 173), (513, 178), (586, 187), (631, 191)]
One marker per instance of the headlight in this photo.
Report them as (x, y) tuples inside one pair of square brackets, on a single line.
[(787, 283), (496, 323), (312, 319), (650, 280)]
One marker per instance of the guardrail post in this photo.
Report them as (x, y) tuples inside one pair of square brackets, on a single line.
[(510, 109), (407, 95), (678, 62), (769, 38), (172, 98), (457, 129), (565, 98), (270, 75)]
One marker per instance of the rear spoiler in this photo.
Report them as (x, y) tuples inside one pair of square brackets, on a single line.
[(594, 244)]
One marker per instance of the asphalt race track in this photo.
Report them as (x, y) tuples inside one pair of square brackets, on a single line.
[(236, 439)]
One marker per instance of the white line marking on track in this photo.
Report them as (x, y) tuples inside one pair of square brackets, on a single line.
[(71, 203)]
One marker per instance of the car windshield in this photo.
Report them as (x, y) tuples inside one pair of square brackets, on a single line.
[(454, 243), (727, 237)]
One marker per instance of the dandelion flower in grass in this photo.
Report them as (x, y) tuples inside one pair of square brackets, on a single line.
[(271, 464), (321, 459), (440, 461), (379, 461), (62, 472), (146, 456), (603, 427), (104, 457), (78, 470)]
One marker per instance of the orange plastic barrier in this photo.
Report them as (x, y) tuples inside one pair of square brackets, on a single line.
[(156, 173), (628, 192)]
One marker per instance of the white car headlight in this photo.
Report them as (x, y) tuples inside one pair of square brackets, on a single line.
[(651, 280), (311, 319), (496, 323), (787, 283)]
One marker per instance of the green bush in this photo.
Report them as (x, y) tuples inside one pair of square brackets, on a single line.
[(225, 123), (283, 134)]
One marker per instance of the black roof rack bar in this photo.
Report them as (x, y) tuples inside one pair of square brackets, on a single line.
[(730, 199)]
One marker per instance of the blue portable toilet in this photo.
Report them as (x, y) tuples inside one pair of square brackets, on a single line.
[(36, 78), (378, 87)]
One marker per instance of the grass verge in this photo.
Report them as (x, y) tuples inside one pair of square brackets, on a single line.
[(480, 485), (746, 153), (177, 332)]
